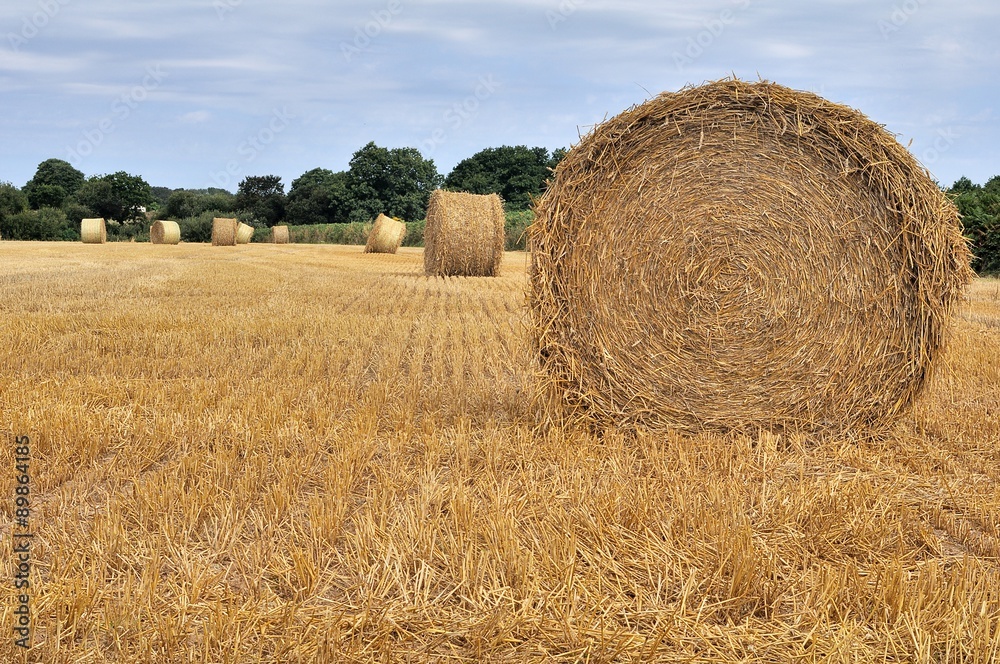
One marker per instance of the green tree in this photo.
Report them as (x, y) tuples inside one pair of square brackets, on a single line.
[(12, 202), (992, 185), (185, 203), (319, 196), (396, 182), (160, 195), (119, 196), (962, 185), (980, 210), (46, 223), (55, 181), (517, 173), (262, 197)]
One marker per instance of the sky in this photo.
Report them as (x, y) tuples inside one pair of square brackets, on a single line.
[(202, 93)]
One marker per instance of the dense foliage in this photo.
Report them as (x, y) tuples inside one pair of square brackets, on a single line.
[(319, 196), (518, 174), (118, 197), (980, 210), (393, 181), (55, 182), (261, 199)]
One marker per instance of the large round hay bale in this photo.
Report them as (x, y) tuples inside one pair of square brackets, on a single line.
[(243, 233), (464, 234), (386, 236), (165, 232), (93, 231), (742, 255), (224, 231), (279, 234)]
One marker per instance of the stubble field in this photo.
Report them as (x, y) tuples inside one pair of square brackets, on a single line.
[(304, 453)]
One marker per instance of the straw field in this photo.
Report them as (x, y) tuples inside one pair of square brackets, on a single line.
[(295, 471)]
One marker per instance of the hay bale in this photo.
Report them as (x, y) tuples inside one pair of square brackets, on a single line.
[(165, 232), (243, 233), (93, 231), (742, 255), (279, 234), (386, 236), (464, 234), (224, 231)]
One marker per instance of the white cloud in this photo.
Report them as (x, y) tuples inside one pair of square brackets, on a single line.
[(36, 63), (195, 117)]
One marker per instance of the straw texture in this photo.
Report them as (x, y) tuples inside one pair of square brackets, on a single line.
[(464, 234), (93, 231), (742, 255), (279, 234), (165, 232), (224, 231), (386, 236), (243, 233)]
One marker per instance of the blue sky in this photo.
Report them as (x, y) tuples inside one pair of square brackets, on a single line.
[(197, 93)]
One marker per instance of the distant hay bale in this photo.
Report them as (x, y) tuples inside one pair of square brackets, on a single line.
[(224, 231), (93, 231), (464, 234), (386, 236), (243, 233), (165, 232), (742, 255), (279, 234)]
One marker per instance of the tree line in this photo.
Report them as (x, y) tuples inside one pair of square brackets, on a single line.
[(979, 206), (393, 181), (397, 182)]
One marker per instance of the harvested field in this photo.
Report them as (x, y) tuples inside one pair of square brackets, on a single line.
[(296, 471)]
